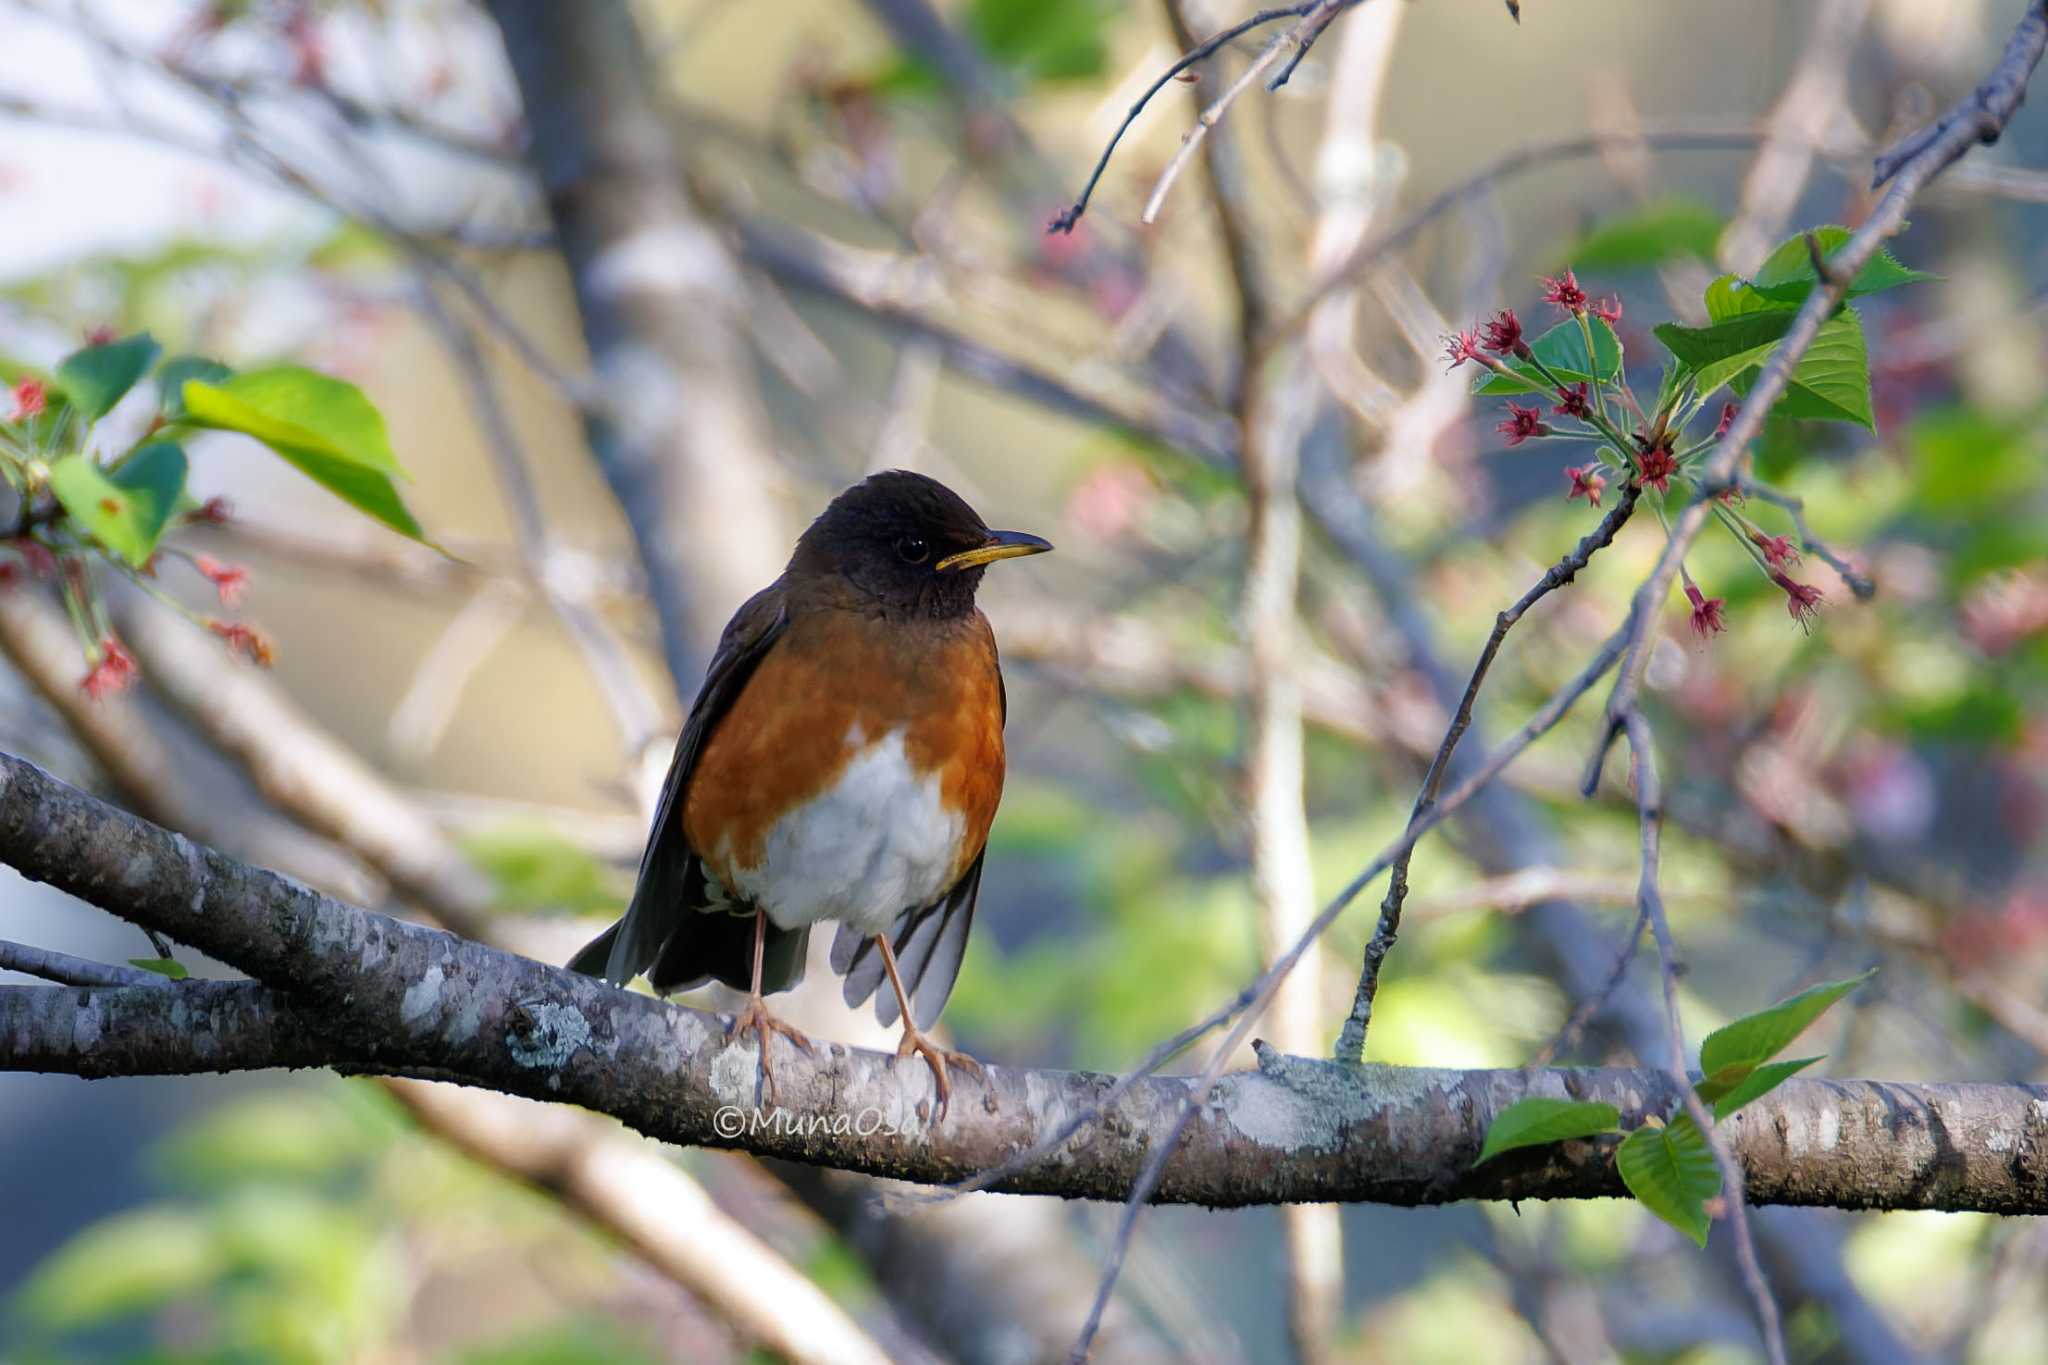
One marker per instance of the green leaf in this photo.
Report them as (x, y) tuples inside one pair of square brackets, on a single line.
[(1043, 39), (1968, 463), (125, 510), (1563, 349), (95, 378), (1832, 381), (295, 1136), (1787, 275), (326, 427), (1539, 1120), (1717, 354), (1672, 1171), (1756, 1038), (121, 1265), (290, 408), (1759, 1082), (1665, 228), (162, 966), (1985, 715), (171, 377), (1730, 297), (537, 869)]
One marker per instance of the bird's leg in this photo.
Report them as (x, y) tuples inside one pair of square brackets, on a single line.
[(755, 1016), (914, 1039)]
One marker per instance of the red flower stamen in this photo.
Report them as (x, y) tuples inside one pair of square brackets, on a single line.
[(1463, 346), (1503, 334), (215, 510), (1564, 291), (1778, 550), (1522, 423), (112, 672), (1706, 612), (1802, 600), (247, 641), (1656, 466), (1573, 400), (229, 580), (31, 396), (1608, 310)]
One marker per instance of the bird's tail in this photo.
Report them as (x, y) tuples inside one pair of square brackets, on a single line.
[(684, 943)]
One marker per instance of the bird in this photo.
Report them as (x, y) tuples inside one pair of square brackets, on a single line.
[(842, 762)]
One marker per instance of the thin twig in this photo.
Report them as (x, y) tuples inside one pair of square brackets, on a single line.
[(1260, 993), (1296, 38), (1351, 1043), (1069, 216), (1859, 582), (1650, 815), (66, 970), (1593, 1005)]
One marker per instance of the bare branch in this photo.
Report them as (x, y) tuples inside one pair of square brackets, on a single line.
[(1351, 1044), (1294, 1129), (1071, 215), (1650, 896), (67, 970)]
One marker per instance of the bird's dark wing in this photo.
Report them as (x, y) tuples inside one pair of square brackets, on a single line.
[(671, 884), (929, 942)]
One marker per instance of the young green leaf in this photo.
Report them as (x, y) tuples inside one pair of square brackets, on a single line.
[(162, 966), (125, 510), (1541, 1119), (1731, 297), (1672, 1171), (1754, 1085), (326, 427), (1830, 383), (1756, 1038), (289, 408), (1043, 39), (1787, 276), (1718, 353), (1673, 226), (173, 373), (95, 378), (1832, 380), (537, 869), (1563, 349)]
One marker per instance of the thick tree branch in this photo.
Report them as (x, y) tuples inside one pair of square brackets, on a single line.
[(1295, 1129), (369, 993)]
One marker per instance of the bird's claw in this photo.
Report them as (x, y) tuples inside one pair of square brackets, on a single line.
[(756, 1019), (938, 1059)]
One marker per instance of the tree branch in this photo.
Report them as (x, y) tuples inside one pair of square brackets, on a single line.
[(371, 994)]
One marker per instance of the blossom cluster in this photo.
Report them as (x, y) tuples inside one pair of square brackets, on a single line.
[(1581, 396)]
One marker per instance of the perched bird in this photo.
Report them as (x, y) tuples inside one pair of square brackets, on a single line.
[(842, 761)]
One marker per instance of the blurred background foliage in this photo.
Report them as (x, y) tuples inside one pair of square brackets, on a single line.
[(1870, 793)]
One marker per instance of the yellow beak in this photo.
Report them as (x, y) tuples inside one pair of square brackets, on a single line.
[(1000, 545)]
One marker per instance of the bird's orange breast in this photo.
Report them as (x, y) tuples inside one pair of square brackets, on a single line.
[(831, 686)]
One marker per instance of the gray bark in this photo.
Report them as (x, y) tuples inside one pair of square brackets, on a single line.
[(358, 991)]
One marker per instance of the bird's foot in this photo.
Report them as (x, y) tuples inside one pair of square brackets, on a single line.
[(756, 1019), (937, 1058)]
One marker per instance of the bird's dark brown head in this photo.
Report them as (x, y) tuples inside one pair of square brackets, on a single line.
[(906, 545)]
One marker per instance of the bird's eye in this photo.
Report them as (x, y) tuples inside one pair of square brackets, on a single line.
[(911, 550)]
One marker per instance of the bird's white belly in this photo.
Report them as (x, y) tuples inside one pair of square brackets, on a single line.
[(878, 842)]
